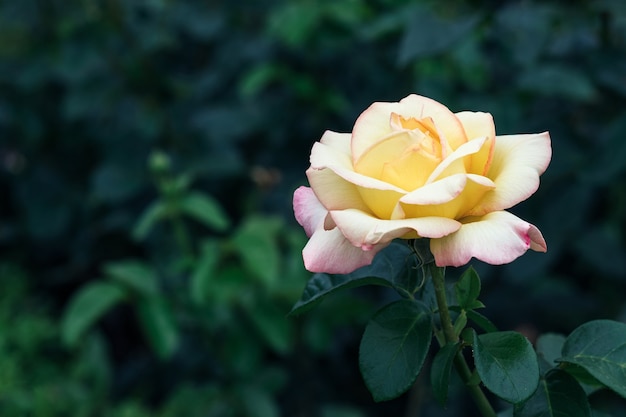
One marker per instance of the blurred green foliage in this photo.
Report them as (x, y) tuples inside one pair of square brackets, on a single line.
[(149, 148)]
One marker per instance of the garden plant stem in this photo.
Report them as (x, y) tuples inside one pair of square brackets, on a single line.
[(448, 329)]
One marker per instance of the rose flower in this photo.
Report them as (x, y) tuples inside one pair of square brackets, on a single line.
[(414, 169)]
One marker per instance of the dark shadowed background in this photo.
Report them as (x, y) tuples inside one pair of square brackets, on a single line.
[(148, 154)]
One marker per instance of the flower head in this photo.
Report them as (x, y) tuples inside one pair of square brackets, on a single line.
[(413, 169)]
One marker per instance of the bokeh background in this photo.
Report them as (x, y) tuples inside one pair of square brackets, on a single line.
[(149, 150)]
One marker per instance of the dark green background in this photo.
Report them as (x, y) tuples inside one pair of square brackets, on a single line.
[(235, 94)]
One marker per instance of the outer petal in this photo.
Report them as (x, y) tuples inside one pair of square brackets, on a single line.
[(307, 209), (366, 231), (374, 123), (338, 141), (517, 163), (334, 192), (329, 251), (496, 238)]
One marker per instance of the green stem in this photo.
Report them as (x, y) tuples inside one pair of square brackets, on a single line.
[(448, 330)]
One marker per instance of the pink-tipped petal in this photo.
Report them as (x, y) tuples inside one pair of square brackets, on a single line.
[(496, 238), (330, 252), (307, 209), (518, 161), (364, 230)]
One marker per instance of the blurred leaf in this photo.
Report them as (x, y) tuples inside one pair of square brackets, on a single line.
[(203, 276), (86, 306), (526, 28), (393, 348), (134, 274), (602, 249), (610, 163), (203, 24), (440, 371), (548, 348), (613, 75), (429, 33), (340, 411), (599, 347), (561, 81), (206, 210), (507, 365), (45, 201), (273, 326), (95, 364), (228, 286), (113, 182), (394, 20), (223, 125), (256, 242), (258, 78), (294, 23), (158, 325), (241, 355), (257, 402), (558, 395), (155, 212)]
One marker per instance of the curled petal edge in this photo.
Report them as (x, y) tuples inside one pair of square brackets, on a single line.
[(496, 238)]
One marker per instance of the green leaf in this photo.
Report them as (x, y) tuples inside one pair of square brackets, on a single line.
[(583, 376), (206, 210), (135, 275), (151, 216), (558, 395), (467, 290), (158, 326), (321, 285), (599, 347), (386, 270), (480, 320), (203, 276), (440, 371), (257, 244), (89, 304), (460, 322), (507, 365), (393, 348)]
